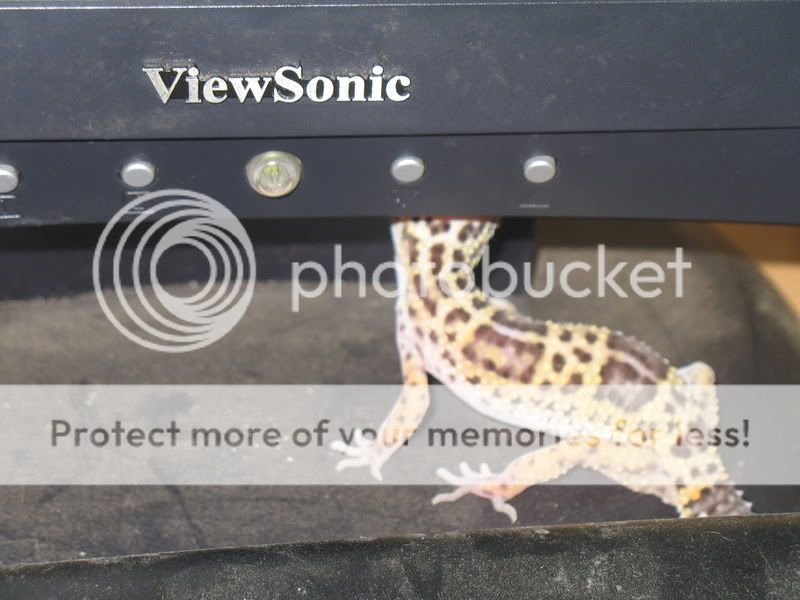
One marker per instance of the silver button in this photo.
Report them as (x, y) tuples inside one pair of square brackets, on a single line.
[(138, 173), (275, 173), (539, 169), (9, 179), (408, 169)]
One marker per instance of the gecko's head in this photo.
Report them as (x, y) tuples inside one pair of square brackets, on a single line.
[(441, 240)]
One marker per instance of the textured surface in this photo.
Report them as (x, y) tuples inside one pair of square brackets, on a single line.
[(729, 318), (708, 558)]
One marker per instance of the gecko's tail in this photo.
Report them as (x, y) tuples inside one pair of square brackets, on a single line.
[(718, 501)]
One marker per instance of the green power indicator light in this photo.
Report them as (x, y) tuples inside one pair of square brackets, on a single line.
[(274, 174)]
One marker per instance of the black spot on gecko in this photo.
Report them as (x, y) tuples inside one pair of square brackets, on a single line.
[(565, 336), (461, 283), (440, 227), (448, 357), (430, 306), (576, 379), (485, 333), (437, 251), (582, 355), (558, 363), (591, 337), (479, 304), (615, 371), (457, 314), (464, 233)]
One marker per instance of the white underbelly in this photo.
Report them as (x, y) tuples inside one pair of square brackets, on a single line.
[(524, 414)]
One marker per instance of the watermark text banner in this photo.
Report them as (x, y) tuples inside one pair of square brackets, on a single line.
[(268, 435)]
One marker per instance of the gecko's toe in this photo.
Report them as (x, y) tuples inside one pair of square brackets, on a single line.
[(360, 454), (349, 463), (479, 483), (352, 463), (361, 461), (501, 506), (342, 448), (469, 474), (456, 494), (356, 446)]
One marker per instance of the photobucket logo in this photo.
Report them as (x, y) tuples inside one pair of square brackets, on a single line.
[(164, 321), (576, 279)]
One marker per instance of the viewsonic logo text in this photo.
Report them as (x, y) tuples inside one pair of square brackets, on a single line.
[(286, 84)]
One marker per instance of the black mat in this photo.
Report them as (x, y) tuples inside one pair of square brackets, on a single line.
[(706, 558)]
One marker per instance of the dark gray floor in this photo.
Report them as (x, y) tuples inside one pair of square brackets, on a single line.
[(730, 318), (731, 558)]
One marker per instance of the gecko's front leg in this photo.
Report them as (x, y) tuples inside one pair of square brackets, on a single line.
[(401, 422)]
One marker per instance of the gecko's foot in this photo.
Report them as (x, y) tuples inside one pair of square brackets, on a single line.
[(362, 452), (483, 483)]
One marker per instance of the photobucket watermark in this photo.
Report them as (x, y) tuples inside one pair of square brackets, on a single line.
[(604, 278), (161, 320)]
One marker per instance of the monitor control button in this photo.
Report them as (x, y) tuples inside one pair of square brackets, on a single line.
[(9, 179), (138, 174)]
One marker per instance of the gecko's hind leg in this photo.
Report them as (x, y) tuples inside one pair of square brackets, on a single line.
[(638, 469), (529, 469)]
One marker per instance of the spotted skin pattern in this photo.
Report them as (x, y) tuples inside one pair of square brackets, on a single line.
[(543, 376)]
